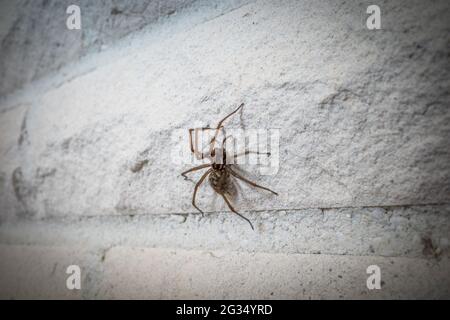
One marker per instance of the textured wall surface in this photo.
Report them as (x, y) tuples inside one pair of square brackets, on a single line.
[(87, 148)]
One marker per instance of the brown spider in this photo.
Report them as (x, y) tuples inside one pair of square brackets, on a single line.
[(219, 172)]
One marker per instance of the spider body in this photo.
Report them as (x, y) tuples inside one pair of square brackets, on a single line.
[(219, 178), (220, 172)]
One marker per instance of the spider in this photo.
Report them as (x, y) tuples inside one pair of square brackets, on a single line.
[(219, 172)]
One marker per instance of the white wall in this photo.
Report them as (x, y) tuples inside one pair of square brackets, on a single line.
[(364, 156)]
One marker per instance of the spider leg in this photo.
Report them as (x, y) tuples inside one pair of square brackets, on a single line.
[(194, 169), (232, 209), (212, 142), (221, 121), (220, 154), (248, 152), (248, 181), (196, 188), (194, 145), (220, 125)]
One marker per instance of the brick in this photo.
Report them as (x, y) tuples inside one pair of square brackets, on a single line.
[(143, 273)]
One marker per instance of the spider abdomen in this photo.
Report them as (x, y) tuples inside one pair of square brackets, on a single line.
[(220, 181)]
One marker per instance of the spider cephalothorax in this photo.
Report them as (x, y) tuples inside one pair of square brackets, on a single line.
[(220, 172)]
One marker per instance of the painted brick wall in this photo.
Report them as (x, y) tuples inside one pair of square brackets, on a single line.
[(87, 170)]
